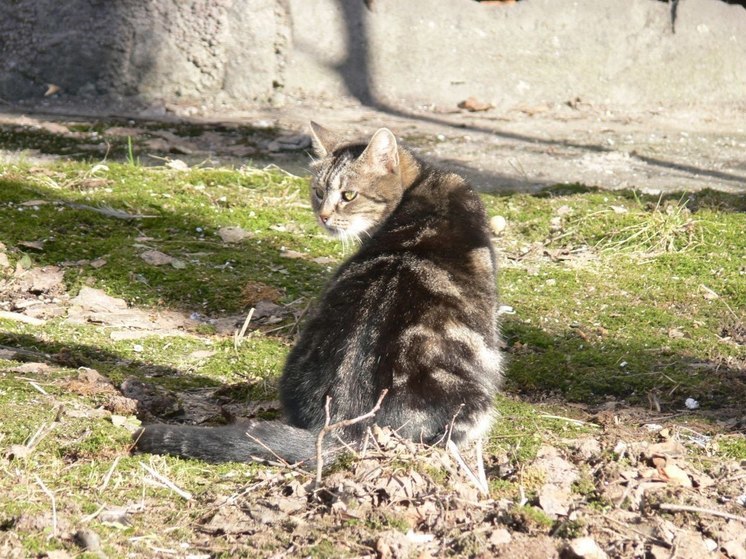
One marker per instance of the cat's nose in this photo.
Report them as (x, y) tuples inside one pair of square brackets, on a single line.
[(324, 218)]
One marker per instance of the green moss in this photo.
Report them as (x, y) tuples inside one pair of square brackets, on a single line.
[(733, 446)]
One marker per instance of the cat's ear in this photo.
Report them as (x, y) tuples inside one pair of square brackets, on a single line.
[(324, 140), (382, 154)]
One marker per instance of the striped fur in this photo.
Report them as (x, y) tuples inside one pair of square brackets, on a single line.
[(412, 312)]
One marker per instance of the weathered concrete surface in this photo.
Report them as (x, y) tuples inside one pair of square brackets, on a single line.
[(199, 50), (599, 92), (603, 51), (239, 53)]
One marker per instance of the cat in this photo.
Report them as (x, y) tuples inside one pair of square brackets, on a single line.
[(413, 312)]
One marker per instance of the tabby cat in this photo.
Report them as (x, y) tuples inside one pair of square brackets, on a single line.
[(413, 312)]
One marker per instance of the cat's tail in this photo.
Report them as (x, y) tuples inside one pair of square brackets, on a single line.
[(255, 441)]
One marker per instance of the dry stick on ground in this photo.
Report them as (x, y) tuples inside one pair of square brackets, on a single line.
[(646, 537), (712, 512), (108, 475), (339, 424), (54, 503), (280, 459), (162, 480), (238, 336)]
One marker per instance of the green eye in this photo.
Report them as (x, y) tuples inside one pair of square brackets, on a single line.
[(349, 195), (319, 192)]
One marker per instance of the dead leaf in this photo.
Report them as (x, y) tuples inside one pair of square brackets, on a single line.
[(36, 245), (500, 536), (472, 105), (177, 165), (156, 258), (18, 452), (32, 368), (233, 234), (293, 254), (554, 500), (672, 473), (675, 333), (98, 263), (52, 89), (585, 548)]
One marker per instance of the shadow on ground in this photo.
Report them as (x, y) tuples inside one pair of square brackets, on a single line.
[(572, 365)]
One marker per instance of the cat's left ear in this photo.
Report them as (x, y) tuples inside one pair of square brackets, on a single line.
[(382, 153), (324, 140)]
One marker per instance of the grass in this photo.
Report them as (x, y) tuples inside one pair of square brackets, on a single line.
[(615, 298)]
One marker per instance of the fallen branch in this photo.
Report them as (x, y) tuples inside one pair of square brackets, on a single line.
[(712, 512), (339, 424)]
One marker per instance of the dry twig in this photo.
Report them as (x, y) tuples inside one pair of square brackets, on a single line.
[(238, 335), (162, 480), (712, 512), (338, 425), (49, 494)]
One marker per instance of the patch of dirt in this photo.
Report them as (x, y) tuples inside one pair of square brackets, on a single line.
[(627, 492), (652, 150)]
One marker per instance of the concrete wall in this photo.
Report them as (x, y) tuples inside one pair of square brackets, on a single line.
[(174, 50), (442, 51), (243, 52)]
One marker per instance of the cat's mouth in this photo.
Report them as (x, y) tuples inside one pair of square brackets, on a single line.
[(353, 230)]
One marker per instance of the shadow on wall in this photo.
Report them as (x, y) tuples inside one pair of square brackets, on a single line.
[(356, 75), (98, 61)]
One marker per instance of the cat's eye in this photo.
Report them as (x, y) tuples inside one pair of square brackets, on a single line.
[(319, 192), (349, 195)]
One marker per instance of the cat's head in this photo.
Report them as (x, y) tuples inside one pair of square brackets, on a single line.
[(354, 186)]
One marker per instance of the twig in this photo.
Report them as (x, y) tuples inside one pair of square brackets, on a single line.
[(37, 387), (712, 512), (339, 424), (453, 449), (238, 336), (449, 431), (167, 482), (108, 475), (568, 419), (280, 459), (54, 503), (656, 541), (87, 519)]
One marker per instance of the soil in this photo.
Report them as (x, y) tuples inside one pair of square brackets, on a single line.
[(610, 485), (525, 149)]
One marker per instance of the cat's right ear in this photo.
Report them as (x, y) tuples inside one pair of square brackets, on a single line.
[(324, 140)]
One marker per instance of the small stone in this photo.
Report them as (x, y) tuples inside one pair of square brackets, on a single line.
[(498, 225), (232, 234), (500, 537), (585, 548)]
